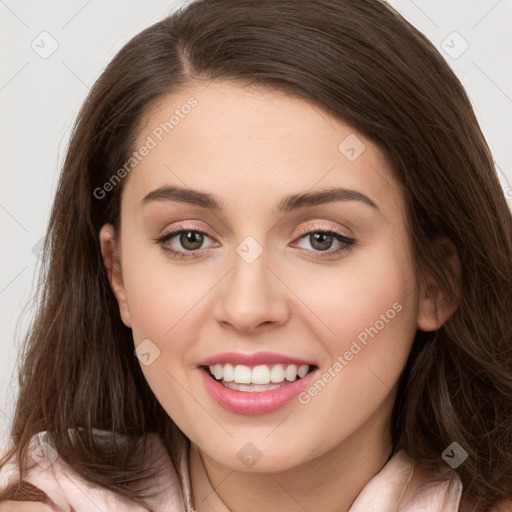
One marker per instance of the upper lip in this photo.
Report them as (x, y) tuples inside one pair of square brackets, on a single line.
[(253, 359)]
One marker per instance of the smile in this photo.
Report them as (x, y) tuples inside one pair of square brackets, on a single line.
[(256, 389)]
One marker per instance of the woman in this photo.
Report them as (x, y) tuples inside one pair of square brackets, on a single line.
[(289, 211)]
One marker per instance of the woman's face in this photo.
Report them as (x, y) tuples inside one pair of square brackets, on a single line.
[(246, 174)]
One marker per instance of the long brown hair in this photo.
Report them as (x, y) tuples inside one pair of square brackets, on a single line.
[(363, 63)]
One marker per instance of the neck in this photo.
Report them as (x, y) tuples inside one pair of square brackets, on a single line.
[(330, 482)]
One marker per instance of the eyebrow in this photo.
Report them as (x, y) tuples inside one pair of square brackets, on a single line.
[(287, 204)]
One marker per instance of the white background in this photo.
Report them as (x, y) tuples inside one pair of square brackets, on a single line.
[(40, 98)]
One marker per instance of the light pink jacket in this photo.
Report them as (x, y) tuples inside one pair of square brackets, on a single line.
[(68, 493)]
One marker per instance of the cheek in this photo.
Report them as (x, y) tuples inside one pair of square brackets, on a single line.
[(370, 310), (372, 290), (160, 293), (161, 297)]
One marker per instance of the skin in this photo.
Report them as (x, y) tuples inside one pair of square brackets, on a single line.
[(250, 147)]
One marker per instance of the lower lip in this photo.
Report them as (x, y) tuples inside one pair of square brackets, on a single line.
[(254, 402)]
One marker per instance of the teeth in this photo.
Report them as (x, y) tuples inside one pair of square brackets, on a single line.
[(277, 373), (217, 371), (261, 374), (303, 370), (228, 373), (291, 372), (242, 374)]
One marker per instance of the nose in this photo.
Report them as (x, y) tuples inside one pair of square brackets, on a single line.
[(253, 297)]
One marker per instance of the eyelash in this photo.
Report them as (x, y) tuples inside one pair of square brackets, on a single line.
[(348, 242)]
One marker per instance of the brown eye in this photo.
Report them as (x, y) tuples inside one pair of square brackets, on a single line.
[(191, 240), (321, 241), (183, 243)]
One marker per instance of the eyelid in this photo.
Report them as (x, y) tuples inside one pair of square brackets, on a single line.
[(307, 229), (175, 229)]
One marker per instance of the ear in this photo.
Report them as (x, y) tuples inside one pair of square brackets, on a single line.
[(110, 253), (435, 307)]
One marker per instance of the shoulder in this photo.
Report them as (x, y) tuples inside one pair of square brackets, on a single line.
[(49, 484), (451, 489), (20, 497)]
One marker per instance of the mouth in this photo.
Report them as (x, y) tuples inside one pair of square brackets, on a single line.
[(256, 390), (259, 378)]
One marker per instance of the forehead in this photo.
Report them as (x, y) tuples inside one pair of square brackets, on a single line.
[(253, 144)]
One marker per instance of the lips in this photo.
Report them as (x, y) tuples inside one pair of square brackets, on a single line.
[(257, 358), (252, 403), (246, 397)]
